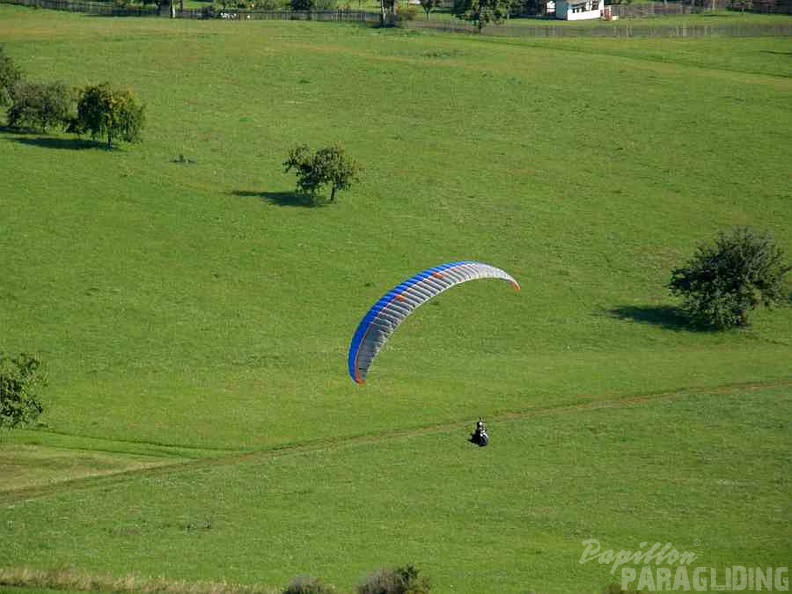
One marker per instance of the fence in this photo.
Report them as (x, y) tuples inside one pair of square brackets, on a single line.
[(96, 8), (650, 9), (617, 29), (109, 9), (338, 16)]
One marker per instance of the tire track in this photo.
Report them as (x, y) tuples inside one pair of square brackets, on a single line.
[(334, 443)]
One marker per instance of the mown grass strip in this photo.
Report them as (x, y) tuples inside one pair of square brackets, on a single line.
[(326, 444)]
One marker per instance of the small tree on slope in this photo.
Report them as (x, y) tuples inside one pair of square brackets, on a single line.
[(114, 114), (726, 280), (330, 165), (20, 377)]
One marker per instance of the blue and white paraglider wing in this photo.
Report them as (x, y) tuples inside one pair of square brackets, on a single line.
[(394, 307)]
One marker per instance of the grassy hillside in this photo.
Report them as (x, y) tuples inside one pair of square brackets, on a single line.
[(191, 309), (705, 471)]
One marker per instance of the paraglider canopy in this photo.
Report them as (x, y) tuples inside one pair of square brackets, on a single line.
[(393, 308)]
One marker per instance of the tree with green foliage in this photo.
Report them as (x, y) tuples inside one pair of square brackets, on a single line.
[(103, 111), (10, 77), (330, 165), (312, 4), (390, 7), (40, 106), (528, 7), (726, 280), (481, 12), (20, 378), (429, 6)]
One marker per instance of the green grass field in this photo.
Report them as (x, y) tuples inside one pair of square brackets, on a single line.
[(194, 317)]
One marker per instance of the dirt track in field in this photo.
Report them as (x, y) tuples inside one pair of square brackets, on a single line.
[(181, 465)]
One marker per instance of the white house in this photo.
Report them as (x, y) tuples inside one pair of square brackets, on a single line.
[(578, 10)]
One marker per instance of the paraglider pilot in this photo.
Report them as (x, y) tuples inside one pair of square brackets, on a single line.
[(479, 436)]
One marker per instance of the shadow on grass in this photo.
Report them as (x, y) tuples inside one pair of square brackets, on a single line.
[(282, 198), (664, 316), (71, 144)]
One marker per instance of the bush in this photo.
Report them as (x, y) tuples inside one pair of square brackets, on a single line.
[(309, 585), (726, 280), (270, 4), (402, 580), (20, 377), (406, 12), (40, 106)]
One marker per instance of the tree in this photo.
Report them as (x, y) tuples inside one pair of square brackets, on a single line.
[(20, 377), (528, 7), (429, 6), (329, 165), (103, 111), (383, 14), (10, 77), (40, 106), (743, 5), (481, 12), (726, 280), (312, 4), (388, 11)]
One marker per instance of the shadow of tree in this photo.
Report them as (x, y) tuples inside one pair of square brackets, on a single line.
[(72, 144), (665, 316), (283, 198)]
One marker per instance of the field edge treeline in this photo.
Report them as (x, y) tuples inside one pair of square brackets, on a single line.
[(543, 28)]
